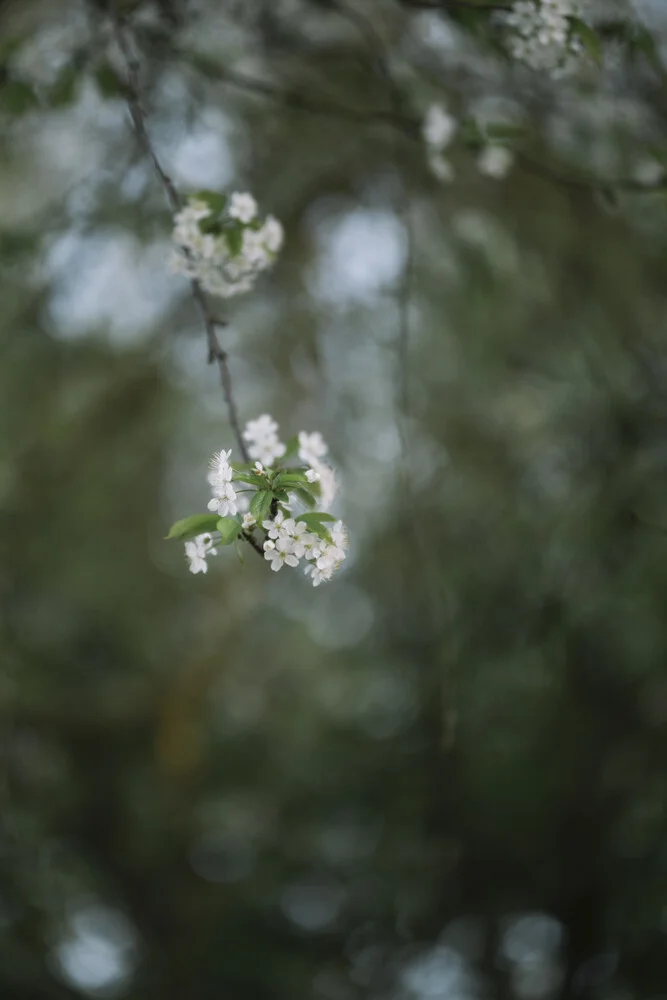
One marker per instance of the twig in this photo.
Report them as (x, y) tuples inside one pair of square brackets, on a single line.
[(216, 354), (296, 101)]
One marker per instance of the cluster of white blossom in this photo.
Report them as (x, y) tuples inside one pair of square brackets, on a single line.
[(223, 501), (227, 253), (289, 541), (312, 449), (197, 550), (314, 535), (541, 35), (262, 438), (438, 130)]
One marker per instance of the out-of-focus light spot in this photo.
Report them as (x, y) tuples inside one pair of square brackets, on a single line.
[(439, 974), (312, 906), (361, 253), (97, 955), (531, 936), (532, 943), (108, 280), (203, 159)]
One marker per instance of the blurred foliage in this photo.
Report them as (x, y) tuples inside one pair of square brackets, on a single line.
[(442, 775)]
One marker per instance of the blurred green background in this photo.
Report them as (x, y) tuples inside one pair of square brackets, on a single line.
[(443, 775)]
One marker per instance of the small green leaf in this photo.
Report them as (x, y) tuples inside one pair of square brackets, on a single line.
[(215, 201), (108, 82), (190, 527), (260, 505), (588, 38), (305, 496), (289, 478), (291, 448), (17, 97), (229, 529), (234, 239), (238, 550), (251, 479), (313, 519), (63, 90)]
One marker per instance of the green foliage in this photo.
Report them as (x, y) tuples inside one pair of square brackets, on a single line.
[(260, 505), (588, 37), (108, 82), (189, 527), (64, 89), (17, 97), (229, 528)]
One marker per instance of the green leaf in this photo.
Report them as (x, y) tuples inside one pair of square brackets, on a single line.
[(229, 529), (234, 239), (305, 496), (250, 478), (215, 201), (645, 43), (17, 97), (260, 505), (289, 478), (190, 527), (588, 37), (291, 448), (108, 82), (63, 90), (314, 522)]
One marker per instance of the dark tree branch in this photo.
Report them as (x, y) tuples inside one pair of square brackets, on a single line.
[(216, 354)]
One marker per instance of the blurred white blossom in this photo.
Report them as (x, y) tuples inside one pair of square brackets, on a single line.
[(232, 249), (541, 36)]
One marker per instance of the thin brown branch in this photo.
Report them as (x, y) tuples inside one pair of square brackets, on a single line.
[(297, 101), (216, 354)]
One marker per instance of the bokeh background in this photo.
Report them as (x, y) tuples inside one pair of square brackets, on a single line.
[(442, 776)]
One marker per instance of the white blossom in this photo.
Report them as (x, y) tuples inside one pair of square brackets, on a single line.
[(211, 258), (197, 550), (280, 554), (328, 484), (223, 501), (242, 207), (540, 35), (262, 437), (438, 127), (248, 522), (274, 527), (312, 447), (495, 161), (440, 166), (272, 234), (312, 476)]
